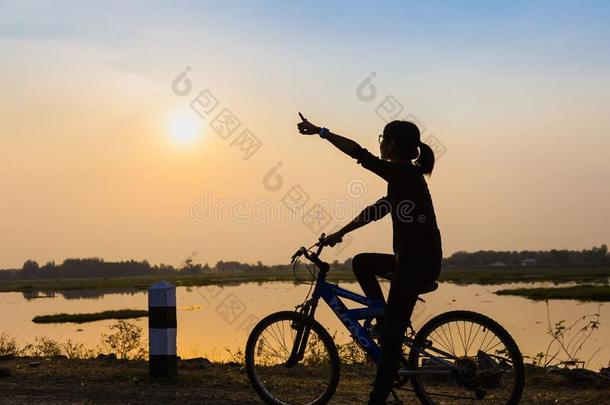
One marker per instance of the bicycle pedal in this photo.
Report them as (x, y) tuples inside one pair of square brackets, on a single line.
[(395, 401)]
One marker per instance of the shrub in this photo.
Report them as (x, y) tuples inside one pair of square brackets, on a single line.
[(8, 345), (125, 341)]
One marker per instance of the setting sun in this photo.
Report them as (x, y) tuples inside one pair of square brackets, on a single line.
[(184, 127)]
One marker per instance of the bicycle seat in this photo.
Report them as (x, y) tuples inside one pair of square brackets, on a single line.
[(429, 288)]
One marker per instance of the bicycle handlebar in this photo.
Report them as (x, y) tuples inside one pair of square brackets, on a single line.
[(312, 257)]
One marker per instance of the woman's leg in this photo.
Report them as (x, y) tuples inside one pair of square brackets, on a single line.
[(368, 265), (401, 302)]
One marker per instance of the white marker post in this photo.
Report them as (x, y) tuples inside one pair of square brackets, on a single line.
[(162, 329)]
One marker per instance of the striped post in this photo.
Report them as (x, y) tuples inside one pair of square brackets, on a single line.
[(162, 329)]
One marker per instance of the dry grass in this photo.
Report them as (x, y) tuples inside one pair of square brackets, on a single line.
[(116, 381)]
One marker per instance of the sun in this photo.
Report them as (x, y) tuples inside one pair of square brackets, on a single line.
[(184, 127)]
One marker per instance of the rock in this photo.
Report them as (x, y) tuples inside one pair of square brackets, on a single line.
[(8, 356), (5, 372), (584, 377), (34, 364), (198, 362), (135, 380)]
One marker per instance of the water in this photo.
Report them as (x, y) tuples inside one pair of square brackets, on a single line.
[(214, 320)]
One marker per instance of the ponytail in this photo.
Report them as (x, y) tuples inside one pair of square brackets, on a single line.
[(425, 160), (406, 137)]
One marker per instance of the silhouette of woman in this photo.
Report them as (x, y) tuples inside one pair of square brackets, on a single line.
[(416, 261)]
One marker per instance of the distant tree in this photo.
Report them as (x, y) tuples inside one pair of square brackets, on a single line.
[(191, 268), (553, 257), (30, 267), (49, 265)]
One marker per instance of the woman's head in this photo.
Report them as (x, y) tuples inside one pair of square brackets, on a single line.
[(401, 141)]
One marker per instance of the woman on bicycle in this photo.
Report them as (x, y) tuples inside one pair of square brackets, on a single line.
[(416, 261)]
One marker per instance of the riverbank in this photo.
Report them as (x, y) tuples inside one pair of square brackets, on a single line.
[(486, 276), (200, 381), (587, 292)]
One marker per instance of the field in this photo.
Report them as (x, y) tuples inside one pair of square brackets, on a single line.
[(98, 381)]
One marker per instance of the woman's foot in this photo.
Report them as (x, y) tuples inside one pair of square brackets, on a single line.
[(376, 329)]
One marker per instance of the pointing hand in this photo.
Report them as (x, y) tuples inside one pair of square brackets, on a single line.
[(307, 128)]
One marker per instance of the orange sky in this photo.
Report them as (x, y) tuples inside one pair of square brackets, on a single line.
[(91, 167)]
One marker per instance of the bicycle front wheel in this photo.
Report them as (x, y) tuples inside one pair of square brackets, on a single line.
[(479, 361), (311, 381)]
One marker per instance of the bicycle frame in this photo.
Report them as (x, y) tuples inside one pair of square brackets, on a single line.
[(332, 294)]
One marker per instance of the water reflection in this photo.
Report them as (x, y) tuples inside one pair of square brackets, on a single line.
[(96, 294), (99, 293), (214, 321)]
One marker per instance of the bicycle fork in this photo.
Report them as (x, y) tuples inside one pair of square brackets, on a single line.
[(302, 336)]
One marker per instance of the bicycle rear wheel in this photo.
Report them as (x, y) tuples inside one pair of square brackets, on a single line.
[(311, 381), (487, 364)]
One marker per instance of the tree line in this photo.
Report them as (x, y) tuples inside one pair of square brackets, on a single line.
[(595, 256), (98, 267)]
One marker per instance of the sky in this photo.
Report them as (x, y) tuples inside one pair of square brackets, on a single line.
[(106, 151)]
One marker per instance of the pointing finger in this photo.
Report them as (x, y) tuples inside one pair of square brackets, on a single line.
[(303, 118)]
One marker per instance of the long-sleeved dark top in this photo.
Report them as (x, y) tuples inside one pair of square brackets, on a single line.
[(415, 233)]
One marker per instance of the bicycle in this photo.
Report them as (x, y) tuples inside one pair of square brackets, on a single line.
[(292, 359)]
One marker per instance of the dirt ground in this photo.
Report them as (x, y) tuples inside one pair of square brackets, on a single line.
[(114, 381)]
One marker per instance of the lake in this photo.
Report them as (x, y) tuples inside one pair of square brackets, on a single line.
[(213, 320)]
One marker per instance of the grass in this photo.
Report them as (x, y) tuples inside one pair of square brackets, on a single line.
[(580, 292), (98, 316)]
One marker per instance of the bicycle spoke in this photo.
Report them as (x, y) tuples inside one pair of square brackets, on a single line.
[(449, 340), (484, 338), (469, 335), (488, 349), (457, 326), (283, 342), (444, 345), (282, 332), (273, 354), (475, 336), (273, 335), (274, 351)]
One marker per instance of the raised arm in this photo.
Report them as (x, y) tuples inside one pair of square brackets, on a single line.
[(369, 161)]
